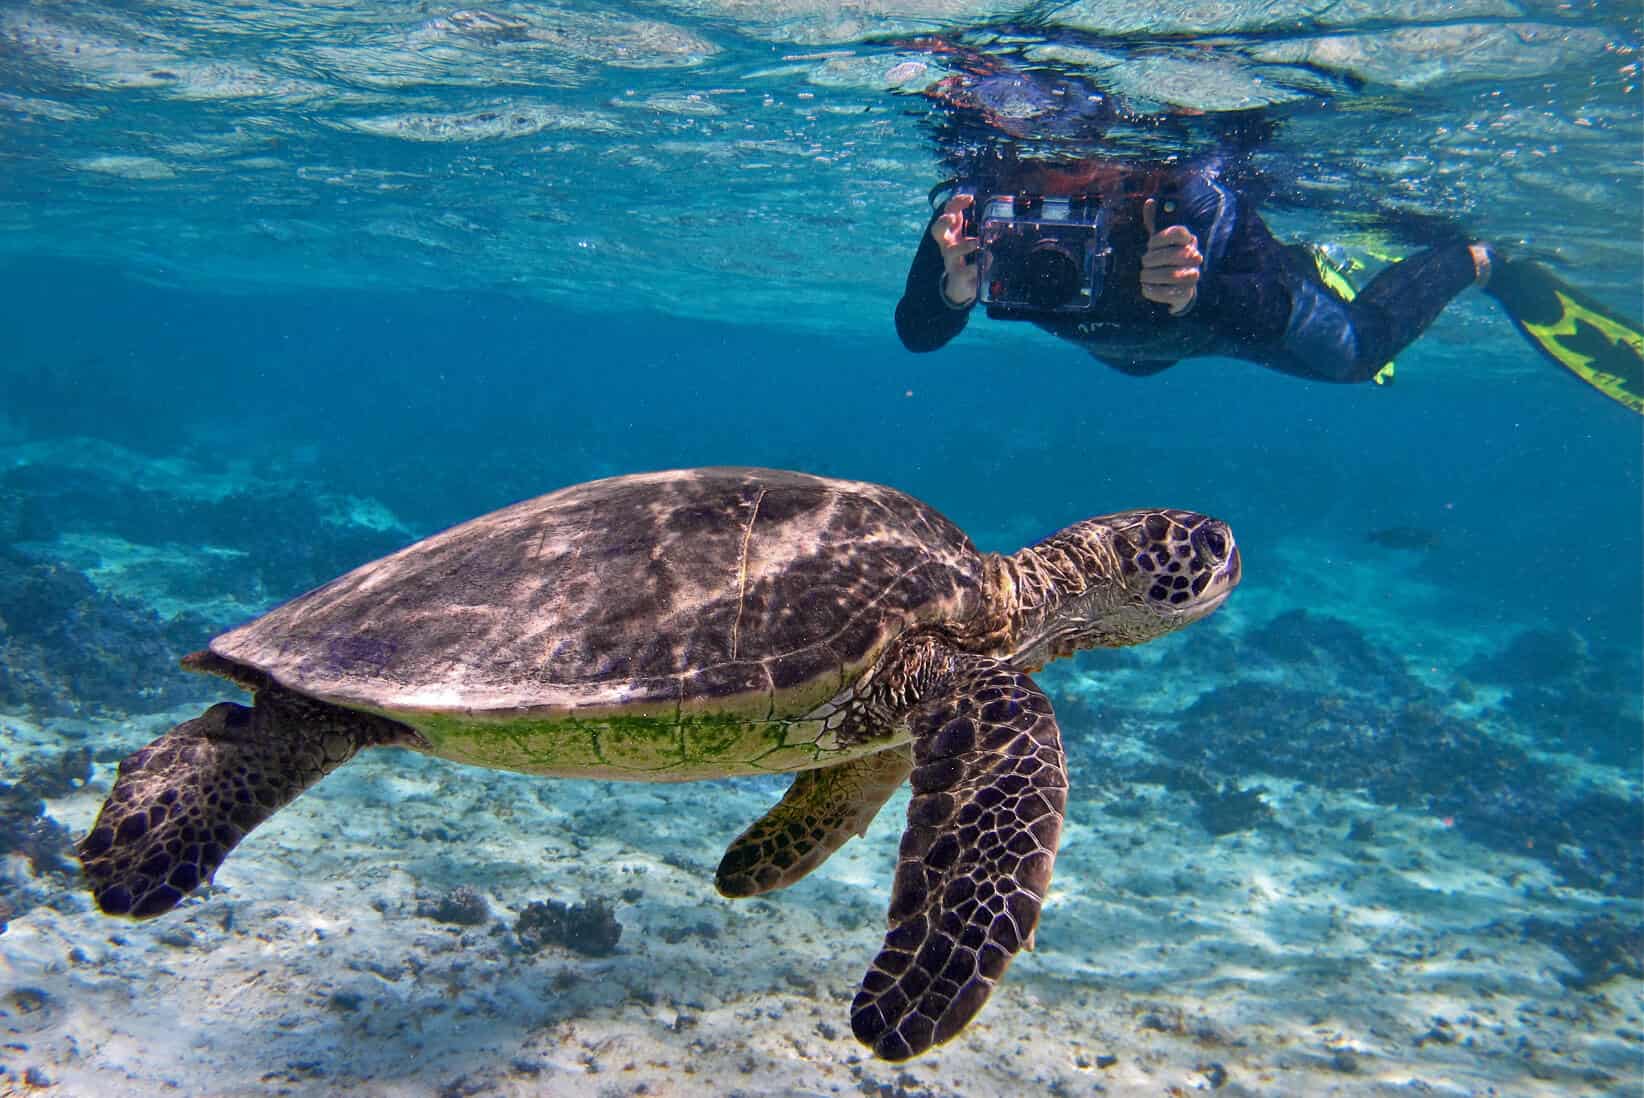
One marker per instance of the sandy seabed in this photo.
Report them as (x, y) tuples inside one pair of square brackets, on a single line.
[(1284, 960)]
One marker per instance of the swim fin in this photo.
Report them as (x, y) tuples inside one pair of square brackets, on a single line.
[(1572, 329)]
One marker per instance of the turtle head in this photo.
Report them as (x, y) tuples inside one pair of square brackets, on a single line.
[(1117, 580)]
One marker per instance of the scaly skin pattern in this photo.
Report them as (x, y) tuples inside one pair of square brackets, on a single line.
[(1113, 581), (989, 793), (821, 811), (183, 802)]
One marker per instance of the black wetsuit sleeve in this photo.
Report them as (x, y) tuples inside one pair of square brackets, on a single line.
[(924, 321), (1245, 295), (1253, 308)]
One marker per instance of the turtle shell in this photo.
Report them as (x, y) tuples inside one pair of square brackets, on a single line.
[(729, 590)]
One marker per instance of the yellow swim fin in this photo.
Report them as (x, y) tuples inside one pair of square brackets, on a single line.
[(1572, 329)]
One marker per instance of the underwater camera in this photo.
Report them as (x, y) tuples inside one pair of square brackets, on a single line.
[(1042, 253)]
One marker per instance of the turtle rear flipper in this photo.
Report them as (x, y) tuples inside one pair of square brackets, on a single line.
[(821, 811), (183, 802), (989, 790)]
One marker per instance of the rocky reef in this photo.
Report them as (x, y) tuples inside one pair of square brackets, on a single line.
[(110, 573), (1342, 713), (1597, 948), (43, 849), (1582, 697), (68, 648), (254, 541), (462, 906), (588, 928)]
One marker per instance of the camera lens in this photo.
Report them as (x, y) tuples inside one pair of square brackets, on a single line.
[(1050, 276)]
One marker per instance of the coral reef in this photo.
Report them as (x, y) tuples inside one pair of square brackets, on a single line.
[(462, 906), (89, 547), (26, 830), (589, 928), (1569, 693), (1599, 948), (1544, 654), (67, 648), (1402, 753), (1399, 744), (284, 538), (1231, 809), (1311, 645)]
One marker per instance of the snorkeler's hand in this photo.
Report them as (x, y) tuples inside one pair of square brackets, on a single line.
[(959, 269), (1171, 265)]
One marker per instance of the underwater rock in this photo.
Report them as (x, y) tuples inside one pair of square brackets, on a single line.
[(1599, 948), (462, 906), (1179, 779), (1562, 691), (1232, 809), (67, 648), (1595, 725), (24, 826), (41, 496), (702, 929), (1535, 655), (12, 506), (1401, 752), (1591, 839), (1128, 807), (1319, 644), (58, 774), (26, 831), (589, 928), (1414, 755), (260, 523)]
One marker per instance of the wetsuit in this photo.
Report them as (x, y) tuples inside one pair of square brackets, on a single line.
[(1257, 299)]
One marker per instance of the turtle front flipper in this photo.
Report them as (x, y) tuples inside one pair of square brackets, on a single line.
[(182, 803), (989, 790), (822, 809)]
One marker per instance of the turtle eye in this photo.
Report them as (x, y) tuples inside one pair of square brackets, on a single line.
[(1211, 543)]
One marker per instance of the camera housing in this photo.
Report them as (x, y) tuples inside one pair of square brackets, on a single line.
[(1042, 254)]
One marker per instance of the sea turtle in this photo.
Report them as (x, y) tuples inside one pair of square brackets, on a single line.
[(701, 623)]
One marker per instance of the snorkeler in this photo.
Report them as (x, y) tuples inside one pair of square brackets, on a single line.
[(1145, 265), (1157, 266)]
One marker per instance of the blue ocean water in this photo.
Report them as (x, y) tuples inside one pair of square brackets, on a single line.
[(287, 286)]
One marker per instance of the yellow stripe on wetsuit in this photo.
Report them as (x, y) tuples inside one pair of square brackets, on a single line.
[(1338, 281)]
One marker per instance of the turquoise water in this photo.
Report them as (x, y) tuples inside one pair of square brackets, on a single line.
[(287, 286)]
